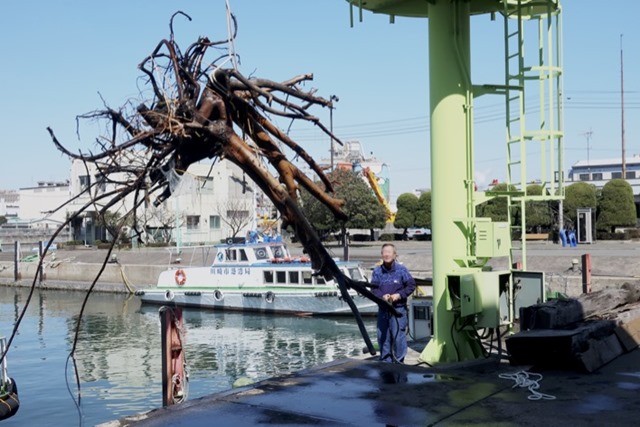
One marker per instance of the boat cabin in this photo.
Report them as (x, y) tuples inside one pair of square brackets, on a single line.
[(279, 267), (254, 253)]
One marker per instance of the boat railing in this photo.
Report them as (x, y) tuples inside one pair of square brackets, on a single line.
[(197, 254), (204, 255)]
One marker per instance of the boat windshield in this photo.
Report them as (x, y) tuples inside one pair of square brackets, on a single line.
[(355, 274), (261, 253), (233, 254)]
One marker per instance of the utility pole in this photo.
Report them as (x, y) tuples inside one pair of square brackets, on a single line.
[(624, 161), (588, 134), (332, 98)]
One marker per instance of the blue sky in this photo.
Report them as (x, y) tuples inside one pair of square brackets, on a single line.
[(57, 57)]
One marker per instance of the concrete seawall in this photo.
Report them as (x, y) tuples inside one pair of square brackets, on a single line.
[(79, 276)]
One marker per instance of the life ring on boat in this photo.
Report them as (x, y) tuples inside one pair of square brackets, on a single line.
[(9, 403), (261, 253), (181, 277), (217, 295), (229, 241), (305, 259), (220, 256), (270, 297)]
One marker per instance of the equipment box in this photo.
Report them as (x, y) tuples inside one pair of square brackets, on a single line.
[(420, 315)]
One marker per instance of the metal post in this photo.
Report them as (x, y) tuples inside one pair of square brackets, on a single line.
[(332, 98), (16, 261), (624, 159), (586, 273), (560, 215), (449, 91), (331, 129), (4, 376), (346, 245), (40, 263), (178, 235)]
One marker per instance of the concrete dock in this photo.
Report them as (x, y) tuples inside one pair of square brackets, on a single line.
[(368, 393)]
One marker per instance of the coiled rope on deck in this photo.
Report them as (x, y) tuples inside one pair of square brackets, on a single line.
[(529, 380)]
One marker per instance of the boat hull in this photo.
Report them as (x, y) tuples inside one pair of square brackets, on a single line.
[(326, 303), (258, 277)]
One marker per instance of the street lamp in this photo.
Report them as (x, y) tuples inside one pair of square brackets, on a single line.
[(332, 98)]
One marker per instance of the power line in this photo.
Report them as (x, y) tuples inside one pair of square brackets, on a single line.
[(484, 115)]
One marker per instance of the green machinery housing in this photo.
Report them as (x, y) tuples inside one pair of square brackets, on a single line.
[(466, 294)]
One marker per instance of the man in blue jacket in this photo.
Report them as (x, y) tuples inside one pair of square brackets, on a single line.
[(393, 283)]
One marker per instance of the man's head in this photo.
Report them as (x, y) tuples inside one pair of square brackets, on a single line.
[(388, 253)]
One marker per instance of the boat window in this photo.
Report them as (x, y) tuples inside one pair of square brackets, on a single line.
[(243, 255), (231, 255), (294, 277), (268, 276), (320, 280), (278, 252), (355, 274), (307, 278), (281, 277), (261, 253)]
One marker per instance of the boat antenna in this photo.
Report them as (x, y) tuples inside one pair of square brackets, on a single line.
[(231, 25)]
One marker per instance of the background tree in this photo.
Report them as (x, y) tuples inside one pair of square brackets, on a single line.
[(114, 223), (579, 195), (317, 214), (423, 214), (361, 206), (496, 208), (538, 213), (159, 224), (236, 214), (3, 219), (407, 205), (616, 206)]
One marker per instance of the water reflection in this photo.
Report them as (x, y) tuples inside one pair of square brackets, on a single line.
[(118, 353)]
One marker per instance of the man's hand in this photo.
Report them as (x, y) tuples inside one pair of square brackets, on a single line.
[(391, 298)]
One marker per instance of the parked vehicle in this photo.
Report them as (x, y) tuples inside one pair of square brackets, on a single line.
[(418, 233)]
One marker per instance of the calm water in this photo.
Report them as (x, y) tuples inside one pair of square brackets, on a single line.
[(118, 353)]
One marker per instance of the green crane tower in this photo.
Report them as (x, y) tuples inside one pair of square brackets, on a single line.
[(467, 295)]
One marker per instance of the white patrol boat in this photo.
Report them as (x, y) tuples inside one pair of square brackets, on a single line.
[(260, 277)]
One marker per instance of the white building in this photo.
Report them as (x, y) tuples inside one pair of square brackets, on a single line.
[(9, 204), (599, 172), (38, 206), (208, 204)]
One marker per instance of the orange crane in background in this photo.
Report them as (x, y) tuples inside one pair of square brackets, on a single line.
[(373, 183)]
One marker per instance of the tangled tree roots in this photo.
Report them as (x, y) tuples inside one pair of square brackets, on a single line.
[(195, 109)]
